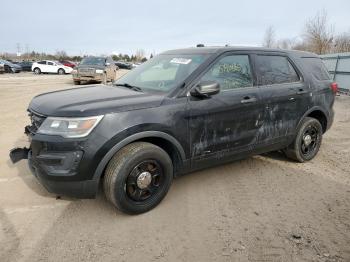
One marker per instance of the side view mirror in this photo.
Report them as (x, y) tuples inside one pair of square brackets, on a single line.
[(108, 64), (205, 89)]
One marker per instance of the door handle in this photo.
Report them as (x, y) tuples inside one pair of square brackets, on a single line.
[(248, 99), (301, 91)]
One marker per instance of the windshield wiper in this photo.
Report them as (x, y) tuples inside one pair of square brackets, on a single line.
[(136, 88)]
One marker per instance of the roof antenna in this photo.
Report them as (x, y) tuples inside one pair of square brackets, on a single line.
[(200, 45)]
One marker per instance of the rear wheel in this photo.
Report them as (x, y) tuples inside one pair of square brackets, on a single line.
[(138, 177), (37, 71), (307, 142), (61, 71)]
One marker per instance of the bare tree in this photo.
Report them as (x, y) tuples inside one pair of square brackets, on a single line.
[(269, 37), (140, 53), (286, 43), (318, 34), (341, 43), (61, 54)]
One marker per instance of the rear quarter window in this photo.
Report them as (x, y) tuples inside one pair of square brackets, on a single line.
[(316, 67)]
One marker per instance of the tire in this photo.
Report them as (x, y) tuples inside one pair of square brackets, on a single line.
[(77, 82), (307, 141), (104, 81), (61, 71), (37, 71), (123, 180)]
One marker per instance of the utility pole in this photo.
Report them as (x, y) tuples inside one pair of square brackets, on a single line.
[(18, 45), (27, 51)]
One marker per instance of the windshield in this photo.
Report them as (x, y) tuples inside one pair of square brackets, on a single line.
[(93, 61), (163, 72)]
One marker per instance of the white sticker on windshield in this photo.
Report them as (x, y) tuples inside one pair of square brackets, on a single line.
[(183, 61)]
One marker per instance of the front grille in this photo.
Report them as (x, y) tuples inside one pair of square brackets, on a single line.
[(86, 71), (36, 121)]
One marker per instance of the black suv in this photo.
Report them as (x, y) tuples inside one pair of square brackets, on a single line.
[(181, 111)]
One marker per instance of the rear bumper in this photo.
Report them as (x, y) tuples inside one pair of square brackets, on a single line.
[(330, 119)]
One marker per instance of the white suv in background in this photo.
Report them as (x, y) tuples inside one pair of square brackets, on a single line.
[(46, 66)]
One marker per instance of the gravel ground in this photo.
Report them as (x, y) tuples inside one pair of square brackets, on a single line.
[(264, 208)]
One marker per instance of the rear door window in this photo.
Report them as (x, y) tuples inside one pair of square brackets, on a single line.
[(50, 63), (42, 62), (274, 69)]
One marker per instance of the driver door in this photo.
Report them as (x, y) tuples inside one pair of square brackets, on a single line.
[(227, 123)]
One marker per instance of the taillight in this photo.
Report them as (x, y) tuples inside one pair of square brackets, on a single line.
[(334, 87)]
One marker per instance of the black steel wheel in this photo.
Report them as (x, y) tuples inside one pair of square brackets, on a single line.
[(307, 141), (144, 180), (138, 177)]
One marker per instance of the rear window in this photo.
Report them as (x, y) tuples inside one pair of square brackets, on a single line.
[(316, 67), (274, 69)]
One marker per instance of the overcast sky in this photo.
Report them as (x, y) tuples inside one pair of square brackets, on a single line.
[(105, 26)]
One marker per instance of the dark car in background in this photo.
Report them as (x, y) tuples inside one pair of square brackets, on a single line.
[(124, 65), (10, 67), (68, 63), (26, 65), (181, 111), (94, 68)]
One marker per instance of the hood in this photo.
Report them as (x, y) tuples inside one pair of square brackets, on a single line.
[(92, 100)]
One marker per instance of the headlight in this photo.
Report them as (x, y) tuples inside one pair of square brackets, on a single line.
[(69, 127), (99, 71)]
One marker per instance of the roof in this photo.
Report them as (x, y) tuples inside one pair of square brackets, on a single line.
[(336, 55), (221, 49)]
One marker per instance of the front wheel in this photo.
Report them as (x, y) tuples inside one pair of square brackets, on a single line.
[(138, 177), (61, 71), (307, 142), (104, 79)]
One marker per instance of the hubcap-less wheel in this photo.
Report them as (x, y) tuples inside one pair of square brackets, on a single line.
[(138, 177), (144, 180), (309, 141)]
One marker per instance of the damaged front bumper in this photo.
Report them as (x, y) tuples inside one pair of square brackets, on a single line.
[(56, 164), (18, 154)]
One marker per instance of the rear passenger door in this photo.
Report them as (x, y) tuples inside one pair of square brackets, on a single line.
[(281, 87), (43, 66)]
